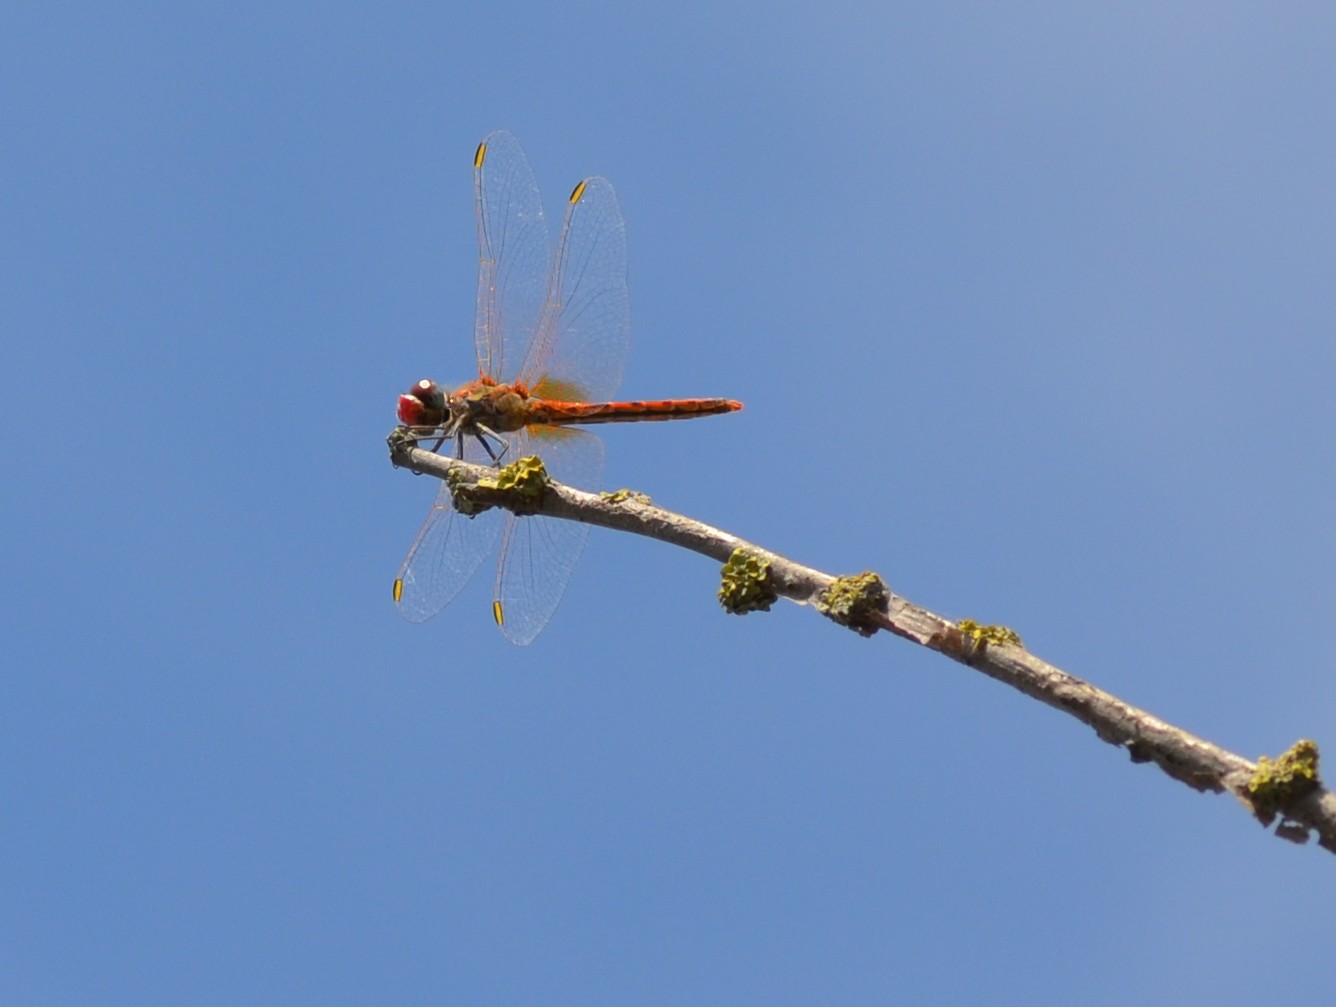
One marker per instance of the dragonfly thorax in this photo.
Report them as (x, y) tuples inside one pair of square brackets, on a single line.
[(485, 404)]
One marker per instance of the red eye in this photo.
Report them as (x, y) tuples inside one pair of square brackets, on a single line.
[(410, 411)]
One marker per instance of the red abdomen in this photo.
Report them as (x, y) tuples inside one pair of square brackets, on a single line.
[(544, 411)]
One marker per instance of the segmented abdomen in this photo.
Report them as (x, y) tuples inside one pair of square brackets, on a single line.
[(617, 412)]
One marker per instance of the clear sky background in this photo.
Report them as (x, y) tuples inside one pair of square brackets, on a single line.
[(1031, 307)]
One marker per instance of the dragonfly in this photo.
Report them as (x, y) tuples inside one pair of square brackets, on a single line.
[(552, 332)]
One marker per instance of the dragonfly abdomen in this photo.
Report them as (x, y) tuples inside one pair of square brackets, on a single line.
[(544, 411)]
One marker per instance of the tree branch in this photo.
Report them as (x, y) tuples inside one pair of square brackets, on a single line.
[(1287, 788)]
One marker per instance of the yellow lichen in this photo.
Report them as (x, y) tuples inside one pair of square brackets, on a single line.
[(856, 602), (463, 494), (746, 584), (982, 635), (522, 481), (525, 479), (624, 496), (1278, 783)]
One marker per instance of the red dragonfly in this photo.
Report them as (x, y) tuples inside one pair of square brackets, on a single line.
[(552, 334)]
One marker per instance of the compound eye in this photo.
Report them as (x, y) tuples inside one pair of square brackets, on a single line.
[(428, 393)]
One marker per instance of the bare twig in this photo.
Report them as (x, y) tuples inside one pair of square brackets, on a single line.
[(1287, 788)]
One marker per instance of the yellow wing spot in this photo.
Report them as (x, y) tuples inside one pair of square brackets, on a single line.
[(478, 157), (577, 192), (497, 614), (398, 589)]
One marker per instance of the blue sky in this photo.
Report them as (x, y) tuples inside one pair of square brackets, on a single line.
[(1031, 310)]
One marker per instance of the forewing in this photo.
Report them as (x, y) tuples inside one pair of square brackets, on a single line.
[(513, 255), (584, 331)]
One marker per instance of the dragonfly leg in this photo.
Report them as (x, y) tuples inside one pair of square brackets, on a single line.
[(485, 437), (420, 435)]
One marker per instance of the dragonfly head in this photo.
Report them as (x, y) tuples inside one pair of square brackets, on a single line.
[(423, 405)]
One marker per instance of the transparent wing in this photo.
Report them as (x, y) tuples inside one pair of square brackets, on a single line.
[(448, 549), (538, 554), (513, 255), (584, 333)]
